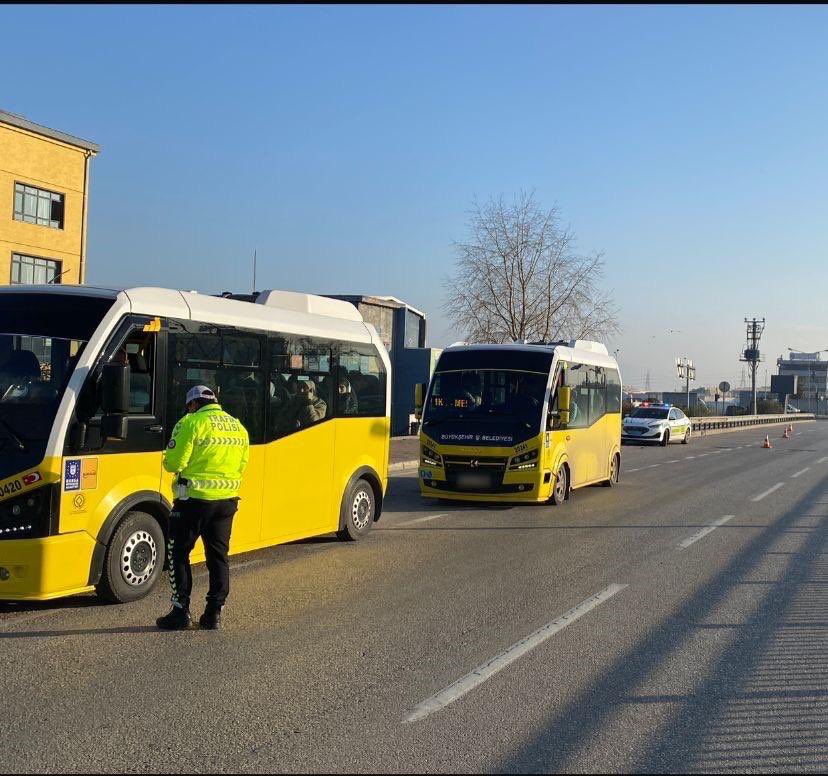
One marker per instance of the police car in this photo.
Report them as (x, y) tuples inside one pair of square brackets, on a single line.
[(660, 423)]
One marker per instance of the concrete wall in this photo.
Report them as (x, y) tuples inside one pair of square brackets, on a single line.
[(39, 161)]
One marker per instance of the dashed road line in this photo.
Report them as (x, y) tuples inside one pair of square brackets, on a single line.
[(488, 669), (823, 460), (768, 492), (806, 469), (704, 531), (675, 461), (422, 519), (689, 457)]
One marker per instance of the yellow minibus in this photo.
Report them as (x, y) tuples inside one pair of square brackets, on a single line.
[(92, 382), (524, 423)]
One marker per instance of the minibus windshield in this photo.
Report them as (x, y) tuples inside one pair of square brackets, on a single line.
[(41, 339), (482, 394)]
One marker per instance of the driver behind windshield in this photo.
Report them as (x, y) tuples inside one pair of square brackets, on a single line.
[(471, 389)]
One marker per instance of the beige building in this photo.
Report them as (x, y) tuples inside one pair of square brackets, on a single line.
[(44, 184)]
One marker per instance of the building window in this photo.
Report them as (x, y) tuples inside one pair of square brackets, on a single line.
[(38, 206), (28, 270)]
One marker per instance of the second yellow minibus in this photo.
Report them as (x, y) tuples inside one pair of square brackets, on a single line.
[(520, 422)]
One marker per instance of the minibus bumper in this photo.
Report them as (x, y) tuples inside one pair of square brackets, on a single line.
[(42, 569)]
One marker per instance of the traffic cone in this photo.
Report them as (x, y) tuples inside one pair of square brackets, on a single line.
[(790, 428), (766, 444), (787, 434)]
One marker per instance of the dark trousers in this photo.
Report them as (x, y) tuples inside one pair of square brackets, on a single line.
[(212, 521)]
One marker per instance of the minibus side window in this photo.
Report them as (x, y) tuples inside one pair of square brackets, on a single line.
[(613, 391), (578, 378), (361, 382), (301, 390), (227, 360)]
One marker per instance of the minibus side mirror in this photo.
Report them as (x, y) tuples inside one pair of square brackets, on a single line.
[(77, 436), (564, 403), (115, 389), (114, 401), (114, 427), (419, 400)]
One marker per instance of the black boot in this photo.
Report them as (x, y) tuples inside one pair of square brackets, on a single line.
[(176, 619), (211, 619)]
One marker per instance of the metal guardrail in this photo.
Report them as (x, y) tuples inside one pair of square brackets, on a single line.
[(737, 421)]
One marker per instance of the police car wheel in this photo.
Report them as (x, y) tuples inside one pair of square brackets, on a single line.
[(134, 559), (665, 440), (357, 511), (686, 439), (561, 486)]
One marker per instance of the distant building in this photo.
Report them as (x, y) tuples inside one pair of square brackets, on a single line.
[(811, 370), (402, 328), (44, 184)]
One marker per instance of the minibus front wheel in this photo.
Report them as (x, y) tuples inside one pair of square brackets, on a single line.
[(561, 488), (134, 559)]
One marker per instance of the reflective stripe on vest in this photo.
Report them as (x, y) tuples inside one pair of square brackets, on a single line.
[(214, 484)]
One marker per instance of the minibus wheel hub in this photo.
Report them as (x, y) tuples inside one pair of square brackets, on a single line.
[(138, 558), (361, 509)]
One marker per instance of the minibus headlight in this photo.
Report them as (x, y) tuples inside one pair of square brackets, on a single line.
[(524, 460), (430, 457)]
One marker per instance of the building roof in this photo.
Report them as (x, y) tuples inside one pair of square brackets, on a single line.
[(21, 122), (382, 301)]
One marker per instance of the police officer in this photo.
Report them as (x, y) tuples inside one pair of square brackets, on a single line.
[(208, 452)]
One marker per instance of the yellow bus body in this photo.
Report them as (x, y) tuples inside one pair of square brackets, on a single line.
[(587, 452), (292, 490)]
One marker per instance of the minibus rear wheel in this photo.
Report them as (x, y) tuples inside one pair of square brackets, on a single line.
[(134, 559), (357, 512), (614, 472)]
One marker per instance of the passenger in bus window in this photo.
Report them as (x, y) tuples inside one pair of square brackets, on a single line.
[(309, 407), (347, 398)]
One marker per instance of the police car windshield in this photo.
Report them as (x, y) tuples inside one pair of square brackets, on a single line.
[(651, 412)]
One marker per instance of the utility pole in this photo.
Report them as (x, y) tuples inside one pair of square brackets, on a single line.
[(686, 371), (751, 354), (254, 270)]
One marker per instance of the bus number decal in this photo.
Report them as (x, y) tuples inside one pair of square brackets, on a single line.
[(11, 487)]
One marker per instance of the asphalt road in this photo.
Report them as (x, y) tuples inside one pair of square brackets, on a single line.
[(615, 633)]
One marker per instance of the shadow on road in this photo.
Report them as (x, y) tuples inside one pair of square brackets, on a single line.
[(78, 632), (761, 706)]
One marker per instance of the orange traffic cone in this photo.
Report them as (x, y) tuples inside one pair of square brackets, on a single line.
[(766, 444), (790, 428), (787, 434)]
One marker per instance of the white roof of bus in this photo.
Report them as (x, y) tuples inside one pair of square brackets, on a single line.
[(579, 355), (335, 319)]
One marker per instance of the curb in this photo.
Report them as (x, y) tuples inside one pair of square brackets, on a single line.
[(402, 465)]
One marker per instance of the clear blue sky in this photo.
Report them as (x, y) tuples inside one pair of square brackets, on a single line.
[(346, 144)]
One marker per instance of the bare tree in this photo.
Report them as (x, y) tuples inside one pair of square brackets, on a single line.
[(519, 277)]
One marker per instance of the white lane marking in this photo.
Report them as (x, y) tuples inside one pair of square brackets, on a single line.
[(768, 492), (675, 461), (704, 531), (689, 457), (823, 460), (633, 470), (652, 466), (488, 669), (422, 519), (701, 455), (806, 469)]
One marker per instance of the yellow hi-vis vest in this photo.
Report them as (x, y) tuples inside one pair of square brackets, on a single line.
[(209, 449)]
